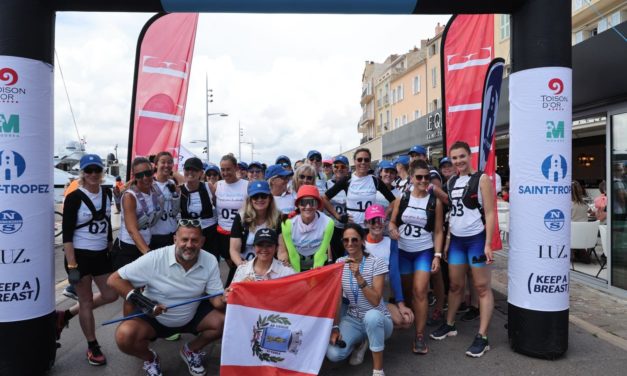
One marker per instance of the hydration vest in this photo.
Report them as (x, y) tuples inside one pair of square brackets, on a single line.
[(430, 209), (205, 201), (470, 194), (96, 215)]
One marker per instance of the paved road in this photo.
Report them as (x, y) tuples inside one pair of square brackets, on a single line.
[(587, 354)]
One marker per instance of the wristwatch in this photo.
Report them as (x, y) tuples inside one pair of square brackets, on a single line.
[(72, 266), (362, 285), (438, 254)]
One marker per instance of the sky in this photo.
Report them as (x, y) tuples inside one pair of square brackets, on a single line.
[(292, 81)]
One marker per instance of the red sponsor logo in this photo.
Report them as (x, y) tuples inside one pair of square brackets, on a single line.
[(9, 75), (556, 85)]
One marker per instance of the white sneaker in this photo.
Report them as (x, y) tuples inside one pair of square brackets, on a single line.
[(378, 372), (193, 359), (357, 357), (153, 368)]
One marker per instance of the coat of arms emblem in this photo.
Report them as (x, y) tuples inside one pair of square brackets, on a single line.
[(272, 337)]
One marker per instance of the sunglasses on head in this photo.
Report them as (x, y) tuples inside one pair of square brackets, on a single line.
[(144, 174), (189, 222), (375, 221), (306, 177), (315, 159), (311, 202), (260, 196), (350, 240), (92, 169), (363, 160), (420, 177)]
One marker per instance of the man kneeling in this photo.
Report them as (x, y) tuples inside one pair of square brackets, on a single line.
[(171, 275)]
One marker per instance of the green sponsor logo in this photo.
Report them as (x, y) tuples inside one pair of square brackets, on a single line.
[(9, 125), (555, 131)]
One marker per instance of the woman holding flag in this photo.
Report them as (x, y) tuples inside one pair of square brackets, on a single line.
[(367, 316)]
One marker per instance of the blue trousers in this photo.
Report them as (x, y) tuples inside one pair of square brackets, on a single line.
[(375, 326)]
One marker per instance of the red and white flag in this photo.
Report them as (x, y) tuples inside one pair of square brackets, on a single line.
[(281, 326)]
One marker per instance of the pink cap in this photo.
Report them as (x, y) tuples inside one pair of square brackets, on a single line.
[(375, 211)]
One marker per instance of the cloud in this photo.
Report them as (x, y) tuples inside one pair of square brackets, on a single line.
[(292, 81)]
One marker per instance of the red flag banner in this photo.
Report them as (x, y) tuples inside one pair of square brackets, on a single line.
[(282, 326), (163, 66)]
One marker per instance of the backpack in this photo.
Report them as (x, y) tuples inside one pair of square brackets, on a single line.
[(96, 215), (207, 206), (430, 209), (470, 195)]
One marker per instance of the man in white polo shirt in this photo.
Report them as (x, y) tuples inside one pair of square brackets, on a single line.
[(171, 275)]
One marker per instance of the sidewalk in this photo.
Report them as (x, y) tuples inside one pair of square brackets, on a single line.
[(600, 314)]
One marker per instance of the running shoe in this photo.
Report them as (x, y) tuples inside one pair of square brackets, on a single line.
[(445, 330), (378, 372), (420, 345), (173, 337), (472, 314), (193, 359), (95, 357), (357, 357), (436, 318), (463, 308), (70, 292), (431, 299), (153, 368), (60, 322), (479, 346)]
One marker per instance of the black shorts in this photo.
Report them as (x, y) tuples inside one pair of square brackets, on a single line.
[(92, 263), (223, 243), (160, 241), (204, 308), (123, 253), (210, 233)]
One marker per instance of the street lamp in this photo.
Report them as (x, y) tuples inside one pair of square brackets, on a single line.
[(209, 98)]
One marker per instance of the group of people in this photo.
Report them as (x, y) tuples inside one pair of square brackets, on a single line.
[(421, 230)]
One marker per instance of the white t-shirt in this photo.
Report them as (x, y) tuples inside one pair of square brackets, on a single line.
[(94, 236), (194, 207), (167, 222), (462, 220), (230, 198), (285, 202), (380, 249), (307, 238), (168, 283), (277, 270), (413, 236), (144, 231), (361, 193)]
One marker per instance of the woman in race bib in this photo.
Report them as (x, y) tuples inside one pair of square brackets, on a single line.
[(341, 171), (367, 317), (259, 212), (163, 231), (86, 241), (471, 225), (230, 196), (142, 204), (416, 223), (197, 203), (278, 179), (361, 189), (307, 235)]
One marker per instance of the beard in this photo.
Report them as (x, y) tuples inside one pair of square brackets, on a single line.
[(186, 253)]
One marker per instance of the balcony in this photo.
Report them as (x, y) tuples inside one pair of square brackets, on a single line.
[(365, 139), (366, 96)]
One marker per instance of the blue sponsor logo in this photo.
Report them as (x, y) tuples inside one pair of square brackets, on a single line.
[(554, 220), (555, 168), (10, 221), (12, 167)]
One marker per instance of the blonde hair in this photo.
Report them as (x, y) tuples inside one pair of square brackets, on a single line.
[(249, 215), (81, 178), (306, 168)]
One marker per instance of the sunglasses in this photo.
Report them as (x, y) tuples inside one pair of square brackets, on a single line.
[(254, 171), (144, 174), (375, 221), (306, 177), (92, 169), (213, 175), (420, 177), (350, 240), (339, 167), (260, 196), (363, 160), (189, 222), (311, 202), (315, 159)]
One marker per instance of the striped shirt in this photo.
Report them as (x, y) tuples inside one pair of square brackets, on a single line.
[(358, 304)]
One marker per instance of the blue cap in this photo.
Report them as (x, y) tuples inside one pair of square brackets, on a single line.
[(341, 159), (418, 149), (444, 160), (90, 160), (284, 158), (402, 159), (255, 163), (313, 153), (242, 165), (277, 170), (387, 165), (258, 186), (212, 167)]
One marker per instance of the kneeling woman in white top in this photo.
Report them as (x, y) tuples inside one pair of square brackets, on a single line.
[(367, 316)]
